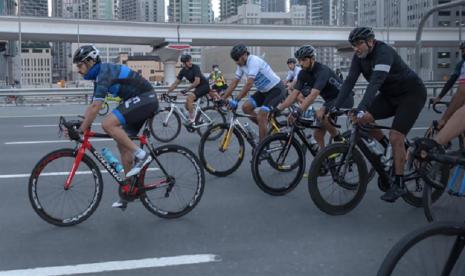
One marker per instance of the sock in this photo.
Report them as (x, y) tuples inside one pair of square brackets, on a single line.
[(384, 142), (399, 180), (139, 153)]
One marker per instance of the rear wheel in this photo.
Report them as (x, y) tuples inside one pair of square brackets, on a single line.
[(178, 192)]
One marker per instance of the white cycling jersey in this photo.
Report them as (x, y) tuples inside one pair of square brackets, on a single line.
[(292, 74), (256, 68)]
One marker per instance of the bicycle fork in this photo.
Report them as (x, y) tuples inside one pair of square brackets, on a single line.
[(74, 168)]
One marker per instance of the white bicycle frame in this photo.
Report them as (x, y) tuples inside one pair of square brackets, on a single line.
[(175, 108)]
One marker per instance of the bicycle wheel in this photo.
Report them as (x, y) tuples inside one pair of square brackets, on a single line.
[(328, 185), (51, 201), (277, 165), (175, 195), (221, 150), (451, 205), (209, 116), (104, 110), (165, 125), (436, 249)]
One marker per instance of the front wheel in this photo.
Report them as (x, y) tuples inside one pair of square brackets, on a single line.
[(174, 192), (208, 117), (278, 164), (51, 201), (165, 125), (436, 249), (336, 182)]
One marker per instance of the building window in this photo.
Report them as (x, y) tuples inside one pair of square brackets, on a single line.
[(152, 71)]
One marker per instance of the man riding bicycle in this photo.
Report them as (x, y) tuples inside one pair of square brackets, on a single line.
[(138, 104), (270, 89), (402, 94), (292, 74), (198, 82), (323, 82)]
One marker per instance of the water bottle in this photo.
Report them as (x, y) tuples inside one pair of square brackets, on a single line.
[(309, 113), (374, 148), (388, 158), (112, 160), (250, 131), (314, 144)]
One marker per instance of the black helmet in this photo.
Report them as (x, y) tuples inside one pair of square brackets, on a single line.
[(304, 52), (291, 60), (462, 45), (361, 33), (238, 50), (86, 52), (185, 58)]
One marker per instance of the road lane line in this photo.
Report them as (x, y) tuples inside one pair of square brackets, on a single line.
[(55, 125), (38, 116), (115, 265), (25, 175), (52, 141)]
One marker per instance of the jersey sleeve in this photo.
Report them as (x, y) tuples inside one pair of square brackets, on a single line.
[(181, 74), (321, 79), (254, 67), (349, 83), (238, 73)]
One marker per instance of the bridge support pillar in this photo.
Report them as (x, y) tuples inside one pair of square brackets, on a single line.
[(169, 55)]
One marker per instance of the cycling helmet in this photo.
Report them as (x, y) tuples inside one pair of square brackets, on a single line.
[(462, 45), (86, 52), (304, 52), (215, 66), (291, 60), (238, 50), (185, 58), (361, 33)]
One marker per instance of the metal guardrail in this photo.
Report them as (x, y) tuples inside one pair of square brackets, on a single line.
[(84, 93)]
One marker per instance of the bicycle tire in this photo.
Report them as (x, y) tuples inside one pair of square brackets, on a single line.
[(176, 170), (35, 181), (104, 109), (204, 157), (402, 247), (218, 118), (160, 122), (318, 168), (260, 179)]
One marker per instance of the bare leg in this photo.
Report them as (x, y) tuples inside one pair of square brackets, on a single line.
[(249, 109), (453, 127), (398, 150), (112, 127)]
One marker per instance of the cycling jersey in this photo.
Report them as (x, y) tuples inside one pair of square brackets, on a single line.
[(292, 74), (191, 73), (256, 68), (385, 71), (458, 74), (118, 80), (320, 77)]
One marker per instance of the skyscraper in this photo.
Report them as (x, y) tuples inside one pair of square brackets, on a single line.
[(189, 11), (34, 8), (273, 5), (143, 10), (228, 8)]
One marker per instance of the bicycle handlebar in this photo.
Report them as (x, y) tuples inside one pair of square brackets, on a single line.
[(434, 105), (72, 126)]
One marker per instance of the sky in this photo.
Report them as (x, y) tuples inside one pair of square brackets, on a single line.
[(215, 4)]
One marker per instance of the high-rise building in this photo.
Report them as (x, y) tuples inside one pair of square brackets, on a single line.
[(36, 61), (8, 7), (273, 5), (34, 8), (298, 2), (229, 7), (143, 10)]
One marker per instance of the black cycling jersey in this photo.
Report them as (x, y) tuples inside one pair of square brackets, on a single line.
[(385, 71), (191, 73), (320, 77)]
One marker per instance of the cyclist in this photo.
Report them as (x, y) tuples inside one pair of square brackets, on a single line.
[(198, 82), (323, 82), (270, 89), (402, 95), (217, 79), (459, 98), (292, 74), (139, 103)]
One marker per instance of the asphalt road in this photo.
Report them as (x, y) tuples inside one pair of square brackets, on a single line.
[(236, 227)]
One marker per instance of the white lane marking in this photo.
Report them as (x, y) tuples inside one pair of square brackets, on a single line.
[(55, 125), (24, 175), (39, 116), (52, 141), (115, 266), (419, 128)]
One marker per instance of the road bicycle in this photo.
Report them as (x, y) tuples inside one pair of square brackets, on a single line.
[(165, 126), (338, 175), (66, 185)]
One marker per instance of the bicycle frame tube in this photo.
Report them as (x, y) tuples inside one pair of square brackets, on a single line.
[(80, 153)]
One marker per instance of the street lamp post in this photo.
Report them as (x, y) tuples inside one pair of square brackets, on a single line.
[(20, 46)]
